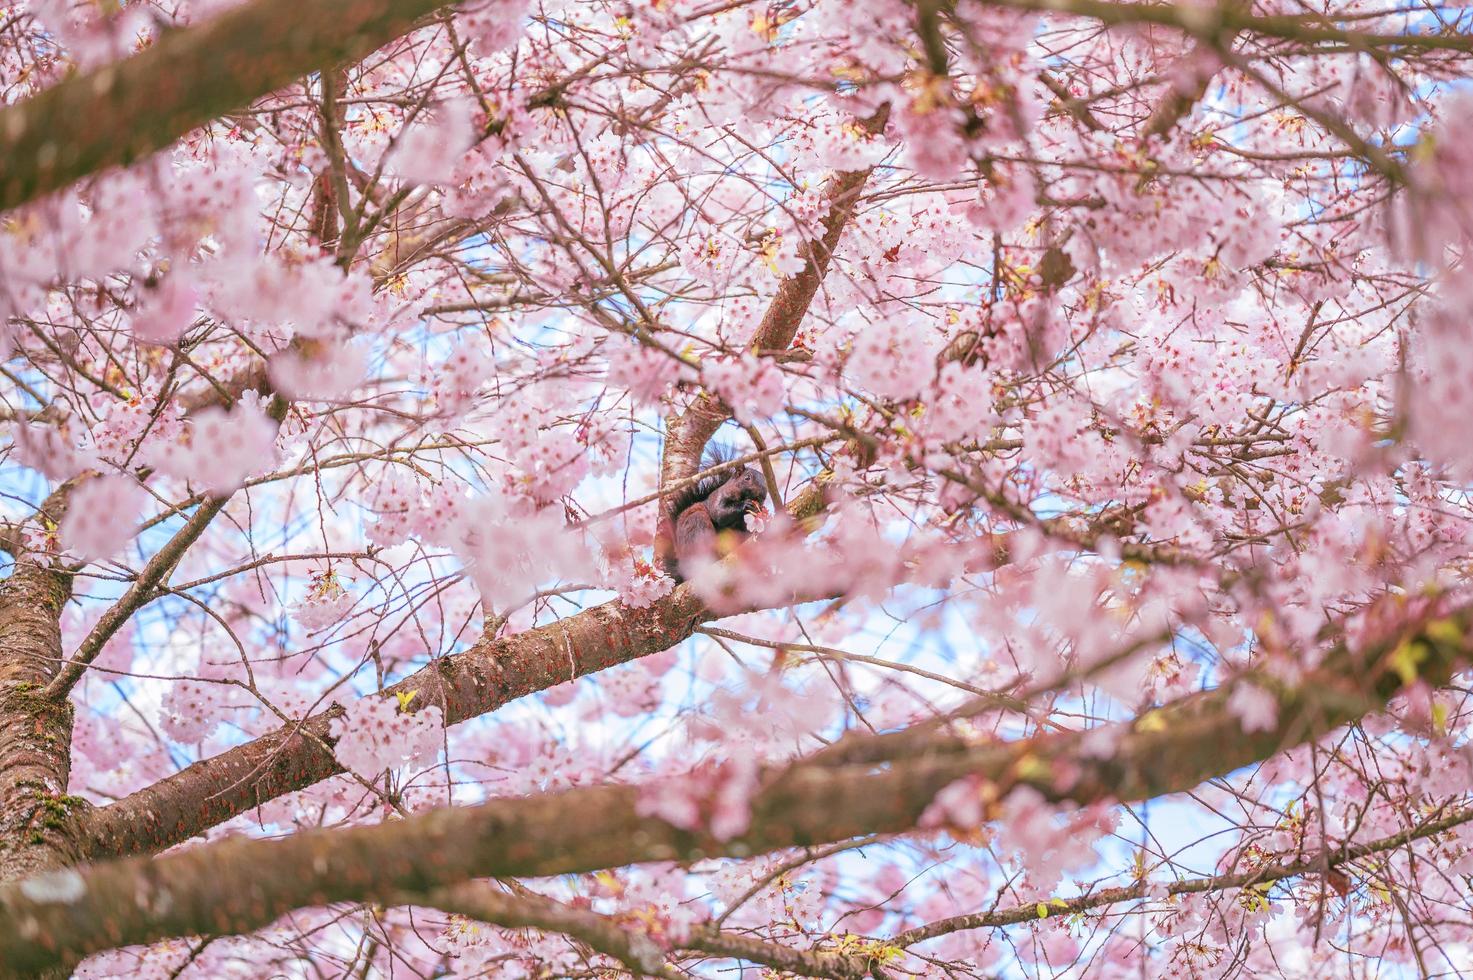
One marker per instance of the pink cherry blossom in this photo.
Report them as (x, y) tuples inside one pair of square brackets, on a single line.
[(751, 386), (376, 734), (428, 150), (219, 448), (1104, 368), (102, 516), (164, 315), (326, 602), (1256, 708)]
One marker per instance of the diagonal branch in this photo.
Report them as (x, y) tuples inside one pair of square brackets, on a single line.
[(1129, 893), (238, 885), (145, 588), (686, 435), (122, 112), (463, 685), (138, 594)]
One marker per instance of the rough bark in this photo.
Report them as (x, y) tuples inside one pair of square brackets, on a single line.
[(119, 113), (463, 686), (242, 884), (36, 833), (35, 734)]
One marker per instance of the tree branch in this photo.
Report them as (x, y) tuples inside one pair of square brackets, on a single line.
[(485, 677), (1109, 896), (687, 434), (480, 901), (145, 587), (632, 947), (138, 594), (122, 112), (238, 885), (464, 685), (1227, 18)]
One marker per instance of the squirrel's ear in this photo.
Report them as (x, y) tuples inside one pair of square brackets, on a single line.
[(717, 453)]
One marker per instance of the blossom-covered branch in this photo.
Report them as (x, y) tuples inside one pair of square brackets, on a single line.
[(1219, 21), (1104, 365), (525, 909), (1317, 864), (489, 674), (237, 885), (118, 113)]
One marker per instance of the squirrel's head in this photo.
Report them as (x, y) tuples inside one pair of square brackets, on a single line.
[(730, 503)]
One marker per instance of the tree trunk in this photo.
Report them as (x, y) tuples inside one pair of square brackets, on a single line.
[(36, 832)]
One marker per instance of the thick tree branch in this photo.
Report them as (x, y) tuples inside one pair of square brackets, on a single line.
[(238, 885), (463, 686), (119, 113)]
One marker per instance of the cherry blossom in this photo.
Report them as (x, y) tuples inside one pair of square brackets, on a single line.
[(102, 517), (219, 448), (376, 734), (1105, 366)]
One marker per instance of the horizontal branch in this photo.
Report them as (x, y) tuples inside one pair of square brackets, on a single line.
[(238, 885), (483, 902), (122, 112)]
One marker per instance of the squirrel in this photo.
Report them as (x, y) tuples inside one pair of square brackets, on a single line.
[(709, 516)]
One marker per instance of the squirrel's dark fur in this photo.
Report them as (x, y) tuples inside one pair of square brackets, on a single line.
[(713, 507)]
